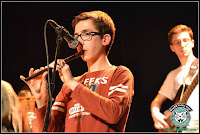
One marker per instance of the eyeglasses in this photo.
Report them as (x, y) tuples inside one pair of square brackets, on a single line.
[(87, 35), (178, 42)]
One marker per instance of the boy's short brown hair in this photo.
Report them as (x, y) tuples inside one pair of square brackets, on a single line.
[(178, 29), (103, 22)]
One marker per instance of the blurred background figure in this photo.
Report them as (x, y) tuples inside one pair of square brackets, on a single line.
[(11, 112), (27, 101)]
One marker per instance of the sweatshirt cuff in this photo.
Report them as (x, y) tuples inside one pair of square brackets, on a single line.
[(66, 91), (40, 112), (77, 90)]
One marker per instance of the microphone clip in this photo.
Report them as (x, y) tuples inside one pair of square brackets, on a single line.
[(52, 86)]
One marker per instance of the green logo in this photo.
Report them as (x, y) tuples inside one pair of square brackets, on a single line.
[(180, 116)]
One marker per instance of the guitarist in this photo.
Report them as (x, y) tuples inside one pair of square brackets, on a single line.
[(181, 43)]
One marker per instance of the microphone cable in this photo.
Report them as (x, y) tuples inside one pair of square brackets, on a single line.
[(48, 110)]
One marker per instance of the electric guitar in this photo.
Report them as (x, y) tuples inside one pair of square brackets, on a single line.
[(183, 99)]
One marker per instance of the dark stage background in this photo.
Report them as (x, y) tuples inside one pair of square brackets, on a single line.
[(141, 43)]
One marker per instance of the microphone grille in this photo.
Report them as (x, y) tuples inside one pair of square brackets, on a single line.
[(74, 43)]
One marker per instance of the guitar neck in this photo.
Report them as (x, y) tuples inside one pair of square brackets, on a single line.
[(189, 90)]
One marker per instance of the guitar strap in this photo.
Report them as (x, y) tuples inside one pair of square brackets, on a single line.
[(193, 70)]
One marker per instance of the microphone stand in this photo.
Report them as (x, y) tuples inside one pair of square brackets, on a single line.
[(52, 84)]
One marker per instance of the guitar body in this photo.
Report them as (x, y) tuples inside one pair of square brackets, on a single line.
[(168, 113), (184, 97)]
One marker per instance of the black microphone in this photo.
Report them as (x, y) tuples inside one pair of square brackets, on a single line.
[(72, 42)]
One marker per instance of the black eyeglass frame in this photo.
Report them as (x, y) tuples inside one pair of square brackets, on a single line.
[(90, 34)]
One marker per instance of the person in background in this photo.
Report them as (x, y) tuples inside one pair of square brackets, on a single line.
[(27, 101), (10, 106), (181, 43), (100, 99)]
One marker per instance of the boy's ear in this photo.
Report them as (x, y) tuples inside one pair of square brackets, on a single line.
[(106, 39), (172, 48), (192, 43)]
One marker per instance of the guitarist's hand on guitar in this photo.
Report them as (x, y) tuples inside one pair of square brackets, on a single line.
[(160, 120)]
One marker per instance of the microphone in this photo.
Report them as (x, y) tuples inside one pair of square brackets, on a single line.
[(72, 42)]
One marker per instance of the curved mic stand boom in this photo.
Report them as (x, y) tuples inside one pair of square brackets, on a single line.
[(51, 86)]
